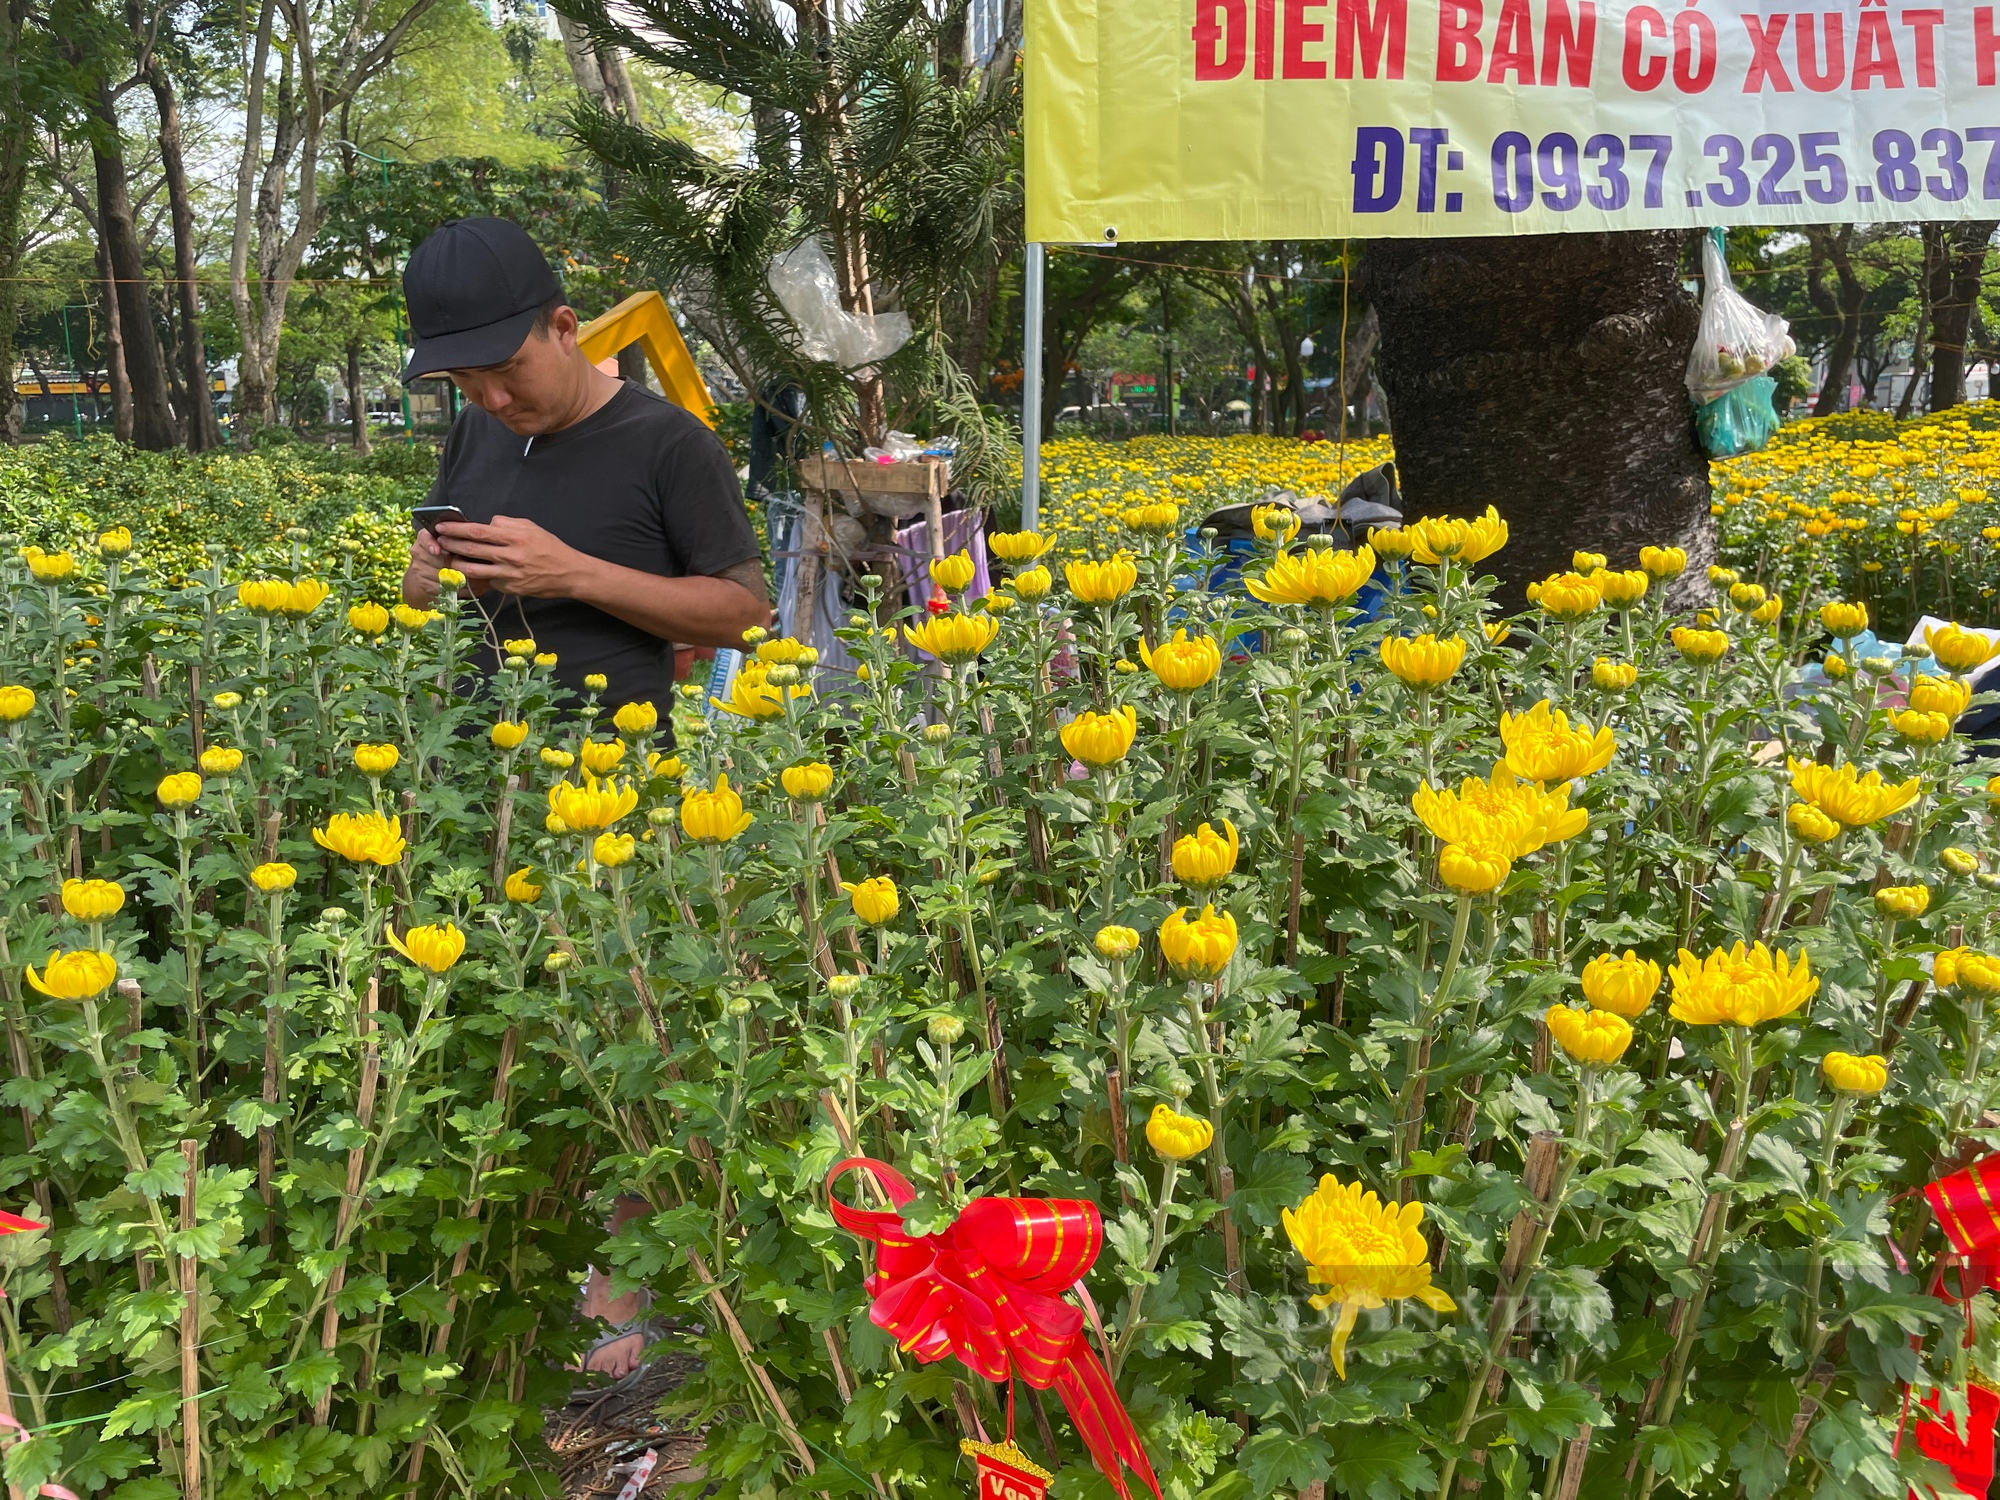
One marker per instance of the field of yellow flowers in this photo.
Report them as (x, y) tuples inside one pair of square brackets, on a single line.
[(1474, 1054)]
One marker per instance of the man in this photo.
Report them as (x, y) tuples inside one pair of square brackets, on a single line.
[(601, 520)]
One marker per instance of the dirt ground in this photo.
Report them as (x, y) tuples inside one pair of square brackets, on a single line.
[(600, 1436)]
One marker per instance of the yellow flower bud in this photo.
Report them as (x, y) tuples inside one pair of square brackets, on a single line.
[(1175, 1136)]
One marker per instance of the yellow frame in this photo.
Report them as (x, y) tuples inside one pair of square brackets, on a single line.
[(643, 319)]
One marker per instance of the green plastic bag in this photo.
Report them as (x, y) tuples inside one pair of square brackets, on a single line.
[(1740, 420)]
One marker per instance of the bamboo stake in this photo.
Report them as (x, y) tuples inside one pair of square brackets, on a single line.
[(742, 1342), (442, 1338), (357, 1158), (10, 1425), (190, 1330)]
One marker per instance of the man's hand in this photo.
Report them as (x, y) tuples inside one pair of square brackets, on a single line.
[(420, 579), (515, 556)]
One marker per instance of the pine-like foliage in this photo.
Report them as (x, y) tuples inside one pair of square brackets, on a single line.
[(872, 133)]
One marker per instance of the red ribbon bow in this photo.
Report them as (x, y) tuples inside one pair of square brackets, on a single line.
[(990, 1290), (1967, 1204)]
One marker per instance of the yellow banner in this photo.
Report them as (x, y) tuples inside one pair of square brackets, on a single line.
[(1321, 119)]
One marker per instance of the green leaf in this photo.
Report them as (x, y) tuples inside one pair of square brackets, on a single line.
[(1683, 1452), (1276, 1460), (1374, 1463), (1276, 1180)]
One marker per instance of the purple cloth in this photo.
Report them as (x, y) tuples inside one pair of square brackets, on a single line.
[(962, 533)]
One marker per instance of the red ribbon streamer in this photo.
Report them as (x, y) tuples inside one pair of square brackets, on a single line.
[(15, 1224), (990, 1290), (1967, 1205)]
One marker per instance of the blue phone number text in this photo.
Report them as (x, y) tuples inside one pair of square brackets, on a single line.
[(1611, 172)]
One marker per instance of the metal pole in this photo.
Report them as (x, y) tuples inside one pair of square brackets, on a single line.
[(1031, 391), (75, 376)]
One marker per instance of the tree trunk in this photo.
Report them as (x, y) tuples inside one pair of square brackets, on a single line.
[(1833, 246), (1543, 375), (357, 400), (14, 148), (114, 351), (1931, 237), (152, 414), (251, 394), (203, 431), (1955, 280)]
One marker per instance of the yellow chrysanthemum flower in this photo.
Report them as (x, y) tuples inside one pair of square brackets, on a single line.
[(1183, 663), (1175, 1136), (1623, 986), (1205, 858), (954, 638), (367, 619), (809, 781), (1436, 538), (1321, 578), (1940, 695), (1848, 797), (1959, 650), (220, 760), (1843, 620), (376, 761), (1114, 942), (595, 805), (1364, 1252), (16, 702), (1101, 739), (600, 757), (434, 947), (521, 887), (1739, 986), (1700, 646), (80, 975), (1542, 747), (369, 838), (508, 734), (1613, 676), (712, 817), (1097, 582), (636, 719), (1198, 948), (1423, 661), (953, 574), (1663, 562), (92, 900), (181, 789), (1566, 596), (1862, 1077), (274, 876), (1620, 589), (875, 900), (1593, 1037), (1017, 546)]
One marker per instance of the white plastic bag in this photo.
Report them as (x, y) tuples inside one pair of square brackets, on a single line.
[(1736, 341), (803, 281)]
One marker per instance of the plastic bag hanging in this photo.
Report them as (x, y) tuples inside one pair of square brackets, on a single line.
[(1733, 348), (803, 281)]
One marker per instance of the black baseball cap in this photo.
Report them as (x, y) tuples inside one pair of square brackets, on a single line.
[(473, 289)]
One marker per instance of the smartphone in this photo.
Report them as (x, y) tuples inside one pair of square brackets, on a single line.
[(428, 517)]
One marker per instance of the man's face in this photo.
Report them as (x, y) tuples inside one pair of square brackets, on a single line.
[(535, 391)]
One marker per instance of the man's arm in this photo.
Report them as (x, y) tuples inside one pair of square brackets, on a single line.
[(519, 557)]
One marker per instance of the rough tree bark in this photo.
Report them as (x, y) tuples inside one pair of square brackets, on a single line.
[(1543, 375), (114, 351), (277, 180), (1955, 276), (203, 431), (357, 401), (153, 424), (1832, 246), (14, 147)]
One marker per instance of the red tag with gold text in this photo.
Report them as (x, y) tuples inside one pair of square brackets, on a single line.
[(1005, 1472), (1969, 1456)]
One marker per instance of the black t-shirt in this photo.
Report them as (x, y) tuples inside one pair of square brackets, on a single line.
[(639, 482)]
